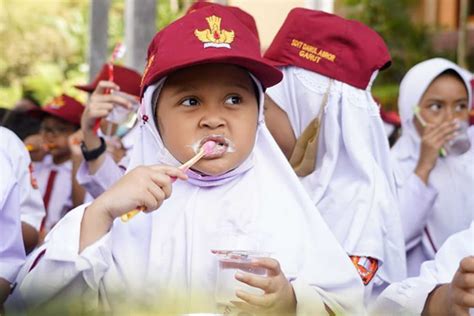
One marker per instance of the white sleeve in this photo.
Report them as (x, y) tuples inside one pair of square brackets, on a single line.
[(96, 184), (59, 265), (31, 203), (12, 252), (415, 201), (409, 296)]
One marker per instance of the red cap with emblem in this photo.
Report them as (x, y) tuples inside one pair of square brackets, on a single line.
[(243, 16), (127, 79), (65, 108), (332, 46), (212, 34)]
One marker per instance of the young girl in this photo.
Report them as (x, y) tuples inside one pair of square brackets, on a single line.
[(199, 85), (327, 123), (435, 192)]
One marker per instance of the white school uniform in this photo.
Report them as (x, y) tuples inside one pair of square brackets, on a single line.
[(107, 174), (163, 260), (12, 251), (352, 184), (409, 297), (31, 203), (430, 213), (58, 198)]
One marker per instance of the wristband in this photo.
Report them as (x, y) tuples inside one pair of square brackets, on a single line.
[(94, 153)]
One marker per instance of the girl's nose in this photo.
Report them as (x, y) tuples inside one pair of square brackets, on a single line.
[(212, 119), (450, 113)]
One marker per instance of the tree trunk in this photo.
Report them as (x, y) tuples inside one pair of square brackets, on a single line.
[(462, 33), (98, 30), (140, 27)]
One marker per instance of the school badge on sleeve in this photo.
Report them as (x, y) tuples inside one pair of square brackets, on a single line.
[(366, 266), (214, 36)]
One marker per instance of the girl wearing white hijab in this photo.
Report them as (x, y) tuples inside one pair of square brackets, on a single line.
[(435, 193), (245, 197), (335, 138), (445, 285)]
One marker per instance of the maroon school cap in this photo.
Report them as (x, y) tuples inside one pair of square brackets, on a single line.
[(212, 34), (66, 108), (127, 79), (342, 49)]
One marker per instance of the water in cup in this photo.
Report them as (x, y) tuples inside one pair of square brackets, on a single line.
[(231, 262), (461, 143)]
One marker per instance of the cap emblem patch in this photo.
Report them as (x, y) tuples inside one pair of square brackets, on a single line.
[(214, 36)]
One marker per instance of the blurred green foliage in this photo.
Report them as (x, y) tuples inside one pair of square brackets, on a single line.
[(44, 45), (409, 42)]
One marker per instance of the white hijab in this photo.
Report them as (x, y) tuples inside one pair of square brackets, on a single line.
[(452, 177), (165, 256), (352, 184)]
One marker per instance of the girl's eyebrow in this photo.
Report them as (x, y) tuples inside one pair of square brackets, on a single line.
[(190, 88), (440, 100)]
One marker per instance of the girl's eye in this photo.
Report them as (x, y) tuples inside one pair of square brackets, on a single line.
[(233, 100), (190, 102), (461, 107), (435, 107)]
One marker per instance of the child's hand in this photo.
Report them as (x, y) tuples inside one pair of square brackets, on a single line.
[(35, 146), (74, 142), (461, 288), (146, 186), (279, 297), (433, 139), (101, 104)]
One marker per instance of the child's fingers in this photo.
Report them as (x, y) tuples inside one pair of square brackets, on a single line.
[(155, 199), (263, 283), (113, 99), (162, 182), (103, 86), (445, 128), (264, 301), (100, 109), (467, 264), (272, 265), (170, 171), (147, 204)]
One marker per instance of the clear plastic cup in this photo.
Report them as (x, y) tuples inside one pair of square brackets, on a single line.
[(229, 263), (461, 143), (121, 115)]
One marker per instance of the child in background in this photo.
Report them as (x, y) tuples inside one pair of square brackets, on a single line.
[(12, 251), (209, 87), (325, 120), (58, 187), (100, 169), (435, 193), (445, 285)]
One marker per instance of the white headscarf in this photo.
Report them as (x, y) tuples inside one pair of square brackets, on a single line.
[(262, 207), (352, 184), (452, 177)]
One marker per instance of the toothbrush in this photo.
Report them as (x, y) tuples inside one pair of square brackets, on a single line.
[(206, 149), (442, 151), (118, 53)]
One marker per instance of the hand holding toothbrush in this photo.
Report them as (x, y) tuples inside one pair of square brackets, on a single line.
[(207, 149), (433, 138)]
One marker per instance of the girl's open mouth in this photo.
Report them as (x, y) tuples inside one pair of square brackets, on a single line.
[(222, 146)]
